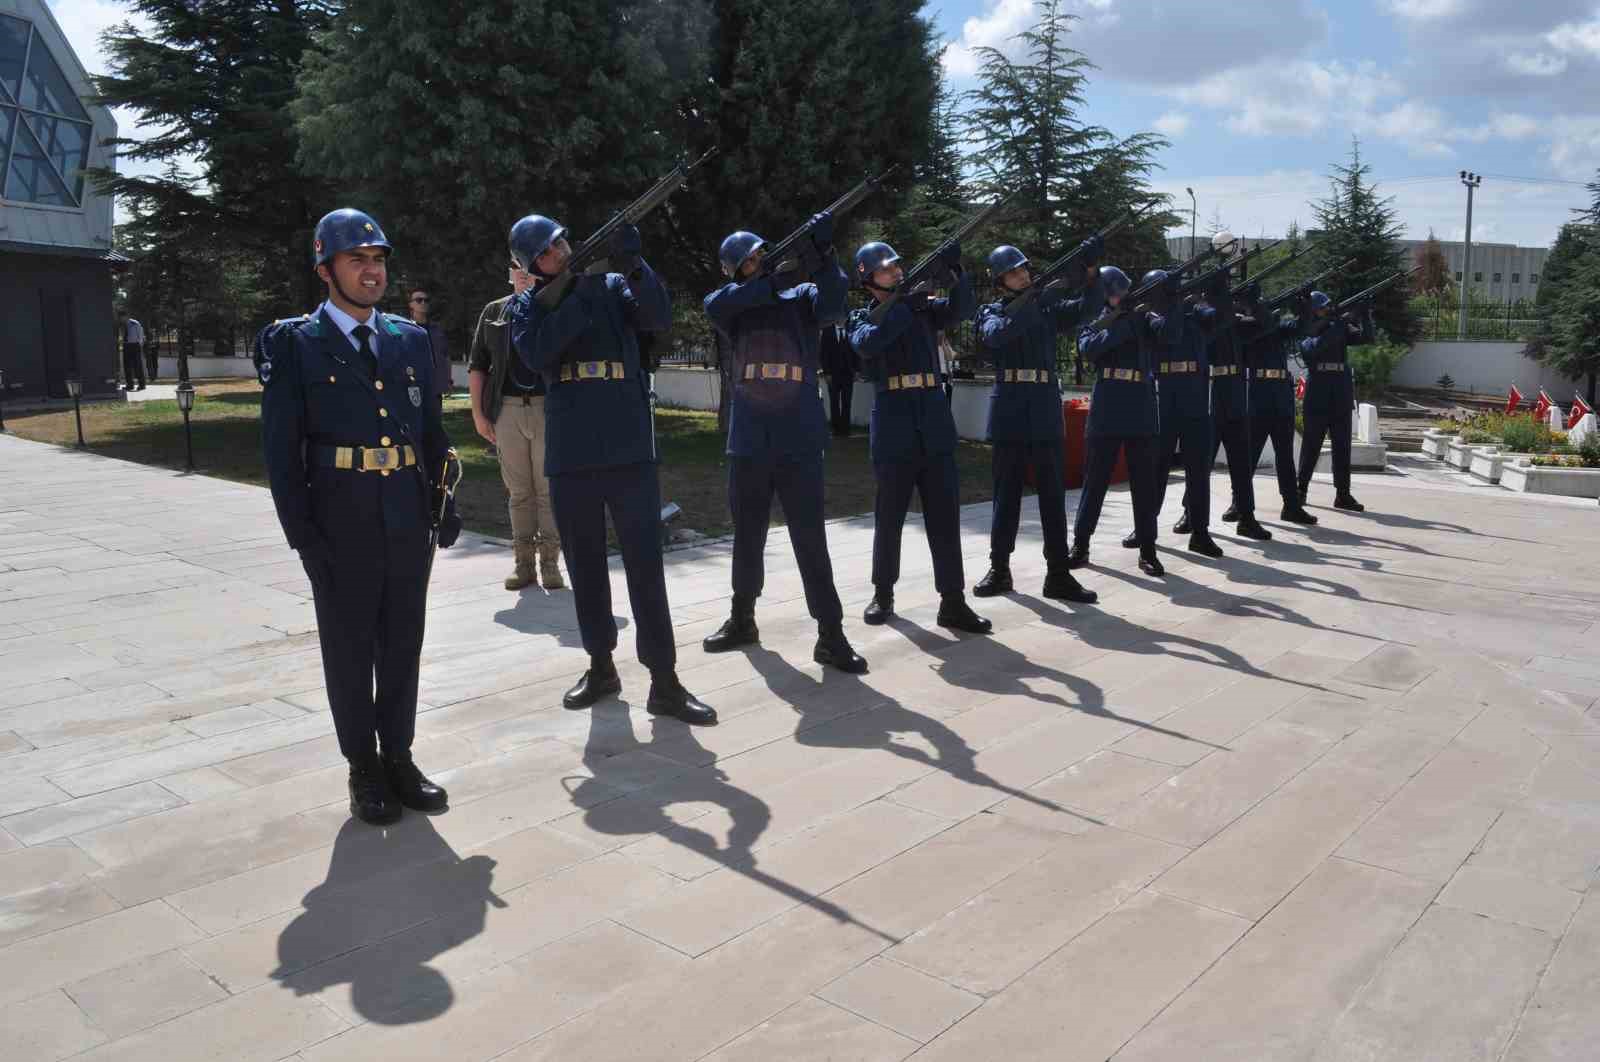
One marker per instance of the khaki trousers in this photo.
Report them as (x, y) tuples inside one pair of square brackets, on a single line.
[(519, 435)]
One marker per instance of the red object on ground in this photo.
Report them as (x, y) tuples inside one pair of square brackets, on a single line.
[(1075, 449), (1513, 399), (1579, 408), (1300, 388)]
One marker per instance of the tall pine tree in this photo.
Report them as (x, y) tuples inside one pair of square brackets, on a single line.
[(1027, 136), (1356, 224), (1566, 336)]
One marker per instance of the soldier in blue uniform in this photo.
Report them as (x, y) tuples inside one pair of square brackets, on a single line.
[(1265, 338), (1331, 391), (1025, 424), (350, 418), (600, 449), (913, 438), (1122, 410), (1183, 384), (1230, 409), (776, 429)]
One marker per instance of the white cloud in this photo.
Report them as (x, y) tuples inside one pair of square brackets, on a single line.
[(1422, 10), (1297, 98), (1173, 124), (1003, 22), (1535, 64), (1576, 37)]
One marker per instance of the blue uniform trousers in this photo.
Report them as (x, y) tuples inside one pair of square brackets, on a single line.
[(370, 625), (1318, 427), (1280, 429), (841, 389), (1098, 463), (797, 481), (934, 478), (1235, 435), (1011, 461), (1195, 435), (632, 494)]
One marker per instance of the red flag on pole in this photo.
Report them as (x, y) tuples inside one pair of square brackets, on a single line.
[(1579, 408), (1541, 408), (1300, 388), (1513, 399)]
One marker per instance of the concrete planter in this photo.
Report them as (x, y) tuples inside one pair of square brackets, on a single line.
[(1566, 482), (1434, 442), (1364, 457), (1458, 453), (1489, 461)]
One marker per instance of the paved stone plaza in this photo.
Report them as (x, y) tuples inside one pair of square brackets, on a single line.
[(1334, 797)]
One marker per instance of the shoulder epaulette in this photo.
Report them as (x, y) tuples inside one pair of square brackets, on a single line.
[(397, 326)]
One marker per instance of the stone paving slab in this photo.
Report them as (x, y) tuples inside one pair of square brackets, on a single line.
[(1334, 796)]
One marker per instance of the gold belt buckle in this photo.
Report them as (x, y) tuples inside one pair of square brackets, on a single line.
[(591, 370), (1028, 375), (774, 371)]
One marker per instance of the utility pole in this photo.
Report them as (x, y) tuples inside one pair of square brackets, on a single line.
[(1472, 181)]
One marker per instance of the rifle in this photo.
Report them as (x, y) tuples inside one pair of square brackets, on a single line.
[(1281, 263), (589, 256), (1201, 282), (777, 255), (1304, 288), (1133, 297), (1062, 268), (443, 491), (1377, 289), (922, 273)]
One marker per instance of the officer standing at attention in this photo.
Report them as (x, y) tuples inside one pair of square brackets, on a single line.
[(1122, 411), (350, 418), (776, 429), (839, 362), (1331, 392), (913, 432), (1183, 384), (1265, 338), (1230, 412), (600, 449), (1025, 423), (508, 412)]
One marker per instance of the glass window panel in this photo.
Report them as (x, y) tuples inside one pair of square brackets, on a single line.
[(45, 87), (13, 49), (66, 144), (7, 118), (32, 179)]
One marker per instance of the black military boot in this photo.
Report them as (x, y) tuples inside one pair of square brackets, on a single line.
[(1130, 540), (371, 799), (1079, 558), (1182, 526), (668, 697), (411, 785), (1296, 514), (1202, 543), (1348, 503), (955, 613), (601, 680), (1250, 527), (996, 582), (1230, 514), (740, 628), (881, 608), (1149, 563), (1305, 496), (1059, 585), (833, 650)]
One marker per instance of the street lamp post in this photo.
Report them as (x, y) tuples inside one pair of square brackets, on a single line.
[(1472, 181), (75, 389), (1194, 220), (186, 404), (2, 401)]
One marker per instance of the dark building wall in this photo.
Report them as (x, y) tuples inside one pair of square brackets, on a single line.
[(56, 317)]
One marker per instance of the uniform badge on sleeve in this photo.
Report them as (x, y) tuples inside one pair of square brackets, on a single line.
[(416, 396)]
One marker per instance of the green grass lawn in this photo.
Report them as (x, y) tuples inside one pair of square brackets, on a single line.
[(227, 443)]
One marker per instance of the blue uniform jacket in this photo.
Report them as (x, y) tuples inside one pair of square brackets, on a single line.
[(317, 393), (595, 422), (1329, 392), (1021, 411), (1185, 394), (1123, 344), (1225, 352), (1266, 348), (776, 416), (908, 423)]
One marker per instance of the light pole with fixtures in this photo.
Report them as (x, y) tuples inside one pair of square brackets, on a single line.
[(1194, 220), (186, 404), (1472, 181)]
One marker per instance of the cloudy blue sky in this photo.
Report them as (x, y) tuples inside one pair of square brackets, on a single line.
[(1259, 96)]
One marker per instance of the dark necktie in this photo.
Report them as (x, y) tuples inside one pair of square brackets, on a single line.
[(369, 357)]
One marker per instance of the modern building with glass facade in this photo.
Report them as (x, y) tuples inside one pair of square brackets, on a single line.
[(56, 261)]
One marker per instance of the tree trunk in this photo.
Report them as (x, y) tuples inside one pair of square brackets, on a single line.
[(1590, 399)]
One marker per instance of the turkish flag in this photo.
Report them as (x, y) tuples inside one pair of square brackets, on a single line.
[(1300, 388), (1541, 408), (1513, 399), (1579, 408)]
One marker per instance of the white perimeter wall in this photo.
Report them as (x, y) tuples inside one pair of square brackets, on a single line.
[(1487, 368)]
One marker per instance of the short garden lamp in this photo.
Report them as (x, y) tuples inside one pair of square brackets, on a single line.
[(2, 400), (186, 404), (75, 389)]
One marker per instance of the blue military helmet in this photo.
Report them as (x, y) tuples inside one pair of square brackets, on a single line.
[(345, 229), (1114, 281), (1004, 259), (1252, 291), (1320, 302), (737, 249), (1155, 276), (531, 237), (872, 257)]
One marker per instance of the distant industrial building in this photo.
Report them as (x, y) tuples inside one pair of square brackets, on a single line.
[(56, 261)]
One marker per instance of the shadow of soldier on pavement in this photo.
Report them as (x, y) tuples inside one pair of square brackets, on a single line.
[(393, 901)]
